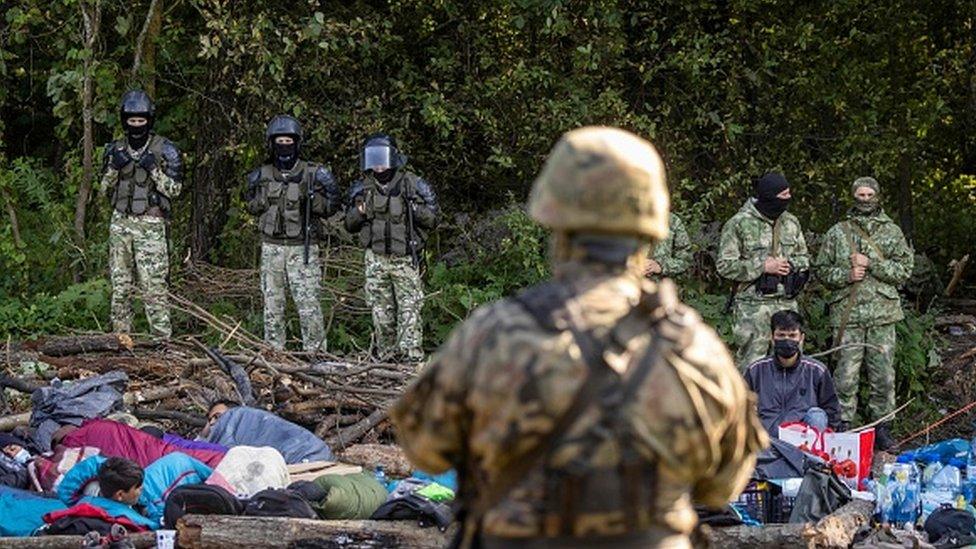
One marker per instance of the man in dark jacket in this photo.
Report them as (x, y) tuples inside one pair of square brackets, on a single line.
[(790, 386)]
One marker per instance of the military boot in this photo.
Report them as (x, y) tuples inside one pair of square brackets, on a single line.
[(882, 437)]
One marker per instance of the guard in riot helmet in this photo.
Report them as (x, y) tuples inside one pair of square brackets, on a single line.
[(594, 409), (144, 172), (289, 196), (392, 209)]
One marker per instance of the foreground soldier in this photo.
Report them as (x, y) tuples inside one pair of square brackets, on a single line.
[(392, 209), (289, 195), (671, 256), (143, 170), (863, 259), (594, 410), (762, 250)]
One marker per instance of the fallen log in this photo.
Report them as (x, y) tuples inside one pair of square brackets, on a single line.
[(17, 384), (7, 423), (189, 419), (351, 434), (217, 531), (74, 345), (834, 530), (143, 540), (392, 458)]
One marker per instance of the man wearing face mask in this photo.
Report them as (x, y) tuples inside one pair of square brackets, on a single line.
[(392, 209), (144, 171), (763, 252), (790, 386), (289, 195), (13, 462), (864, 259)]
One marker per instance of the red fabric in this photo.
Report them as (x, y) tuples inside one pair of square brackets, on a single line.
[(87, 510), (119, 440)]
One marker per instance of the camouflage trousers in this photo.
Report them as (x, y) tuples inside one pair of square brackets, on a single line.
[(750, 327), (284, 266), (879, 359), (396, 295), (137, 252)]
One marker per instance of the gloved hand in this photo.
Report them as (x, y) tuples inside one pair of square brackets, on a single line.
[(120, 158), (148, 161)]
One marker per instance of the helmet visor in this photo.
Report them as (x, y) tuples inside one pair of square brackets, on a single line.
[(377, 157)]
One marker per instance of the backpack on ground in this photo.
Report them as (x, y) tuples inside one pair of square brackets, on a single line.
[(199, 499), (279, 502)]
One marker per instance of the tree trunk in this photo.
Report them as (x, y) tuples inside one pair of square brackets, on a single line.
[(91, 15), (142, 540), (8, 203), (906, 215), (200, 532), (144, 60)]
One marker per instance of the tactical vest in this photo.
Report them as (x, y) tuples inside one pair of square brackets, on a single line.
[(287, 199), (134, 185), (388, 232)]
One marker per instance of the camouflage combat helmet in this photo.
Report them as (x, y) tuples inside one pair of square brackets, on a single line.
[(602, 180)]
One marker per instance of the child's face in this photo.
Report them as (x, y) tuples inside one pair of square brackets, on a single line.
[(130, 496)]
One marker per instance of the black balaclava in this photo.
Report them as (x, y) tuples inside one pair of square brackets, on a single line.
[(767, 188), (137, 136), (285, 156), (386, 175)]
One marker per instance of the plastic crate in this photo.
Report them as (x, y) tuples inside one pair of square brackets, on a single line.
[(766, 503)]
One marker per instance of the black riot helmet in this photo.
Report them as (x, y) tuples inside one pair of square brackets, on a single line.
[(284, 156), (380, 152), (136, 103)]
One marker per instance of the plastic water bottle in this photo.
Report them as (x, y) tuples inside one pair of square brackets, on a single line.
[(971, 464), (380, 475)]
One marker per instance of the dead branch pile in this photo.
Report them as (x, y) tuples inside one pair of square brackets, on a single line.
[(341, 399)]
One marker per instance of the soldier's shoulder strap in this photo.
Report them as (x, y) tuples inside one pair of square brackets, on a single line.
[(864, 236), (266, 172)]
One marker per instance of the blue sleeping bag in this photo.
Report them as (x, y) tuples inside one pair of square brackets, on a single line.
[(159, 479), (22, 512), (243, 426)]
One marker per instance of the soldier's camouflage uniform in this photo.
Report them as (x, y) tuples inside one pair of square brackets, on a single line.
[(491, 397), (137, 241), (393, 286), (279, 198), (745, 244), (872, 314), (673, 253)]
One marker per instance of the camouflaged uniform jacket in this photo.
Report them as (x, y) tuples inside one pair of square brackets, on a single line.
[(499, 383), (674, 252), (746, 242), (891, 262)]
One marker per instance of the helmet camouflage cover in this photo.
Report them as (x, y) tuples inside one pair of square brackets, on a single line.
[(602, 180)]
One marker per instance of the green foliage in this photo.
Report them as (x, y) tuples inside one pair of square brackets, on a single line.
[(78, 307), (516, 261)]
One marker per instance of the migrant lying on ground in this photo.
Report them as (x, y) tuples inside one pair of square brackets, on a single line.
[(231, 425)]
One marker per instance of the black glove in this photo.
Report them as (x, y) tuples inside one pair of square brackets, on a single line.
[(148, 161), (120, 158), (153, 198)]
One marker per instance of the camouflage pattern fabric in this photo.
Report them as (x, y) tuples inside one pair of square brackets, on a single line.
[(281, 266), (891, 262), (137, 253), (499, 383), (874, 310), (746, 242), (395, 293), (879, 361), (674, 252)]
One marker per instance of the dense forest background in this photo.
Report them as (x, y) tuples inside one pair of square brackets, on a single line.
[(476, 93)]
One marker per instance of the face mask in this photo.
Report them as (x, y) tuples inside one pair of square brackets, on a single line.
[(137, 135), (866, 206), (386, 175), (285, 155), (772, 208), (786, 348), (22, 457)]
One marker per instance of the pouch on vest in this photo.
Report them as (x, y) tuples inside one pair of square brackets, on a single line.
[(271, 219), (293, 210)]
